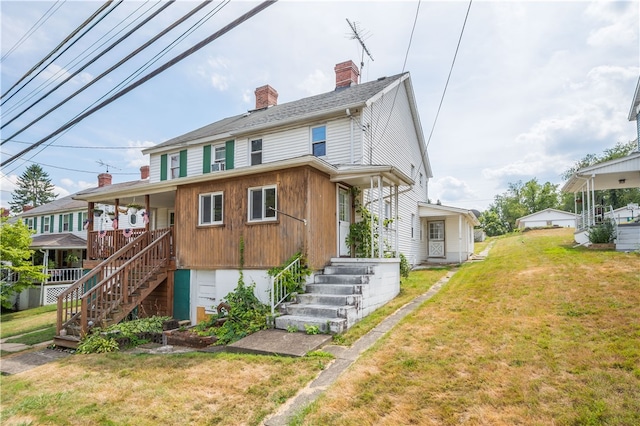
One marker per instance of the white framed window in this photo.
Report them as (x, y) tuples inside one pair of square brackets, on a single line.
[(256, 152), (82, 218), (211, 209), (174, 165), (263, 203), (29, 223), (219, 158), (46, 226), (66, 222), (319, 141)]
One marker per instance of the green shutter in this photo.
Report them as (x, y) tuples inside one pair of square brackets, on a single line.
[(206, 159), (70, 222), (35, 223), (183, 163), (79, 221), (51, 224), (229, 154), (163, 167), (42, 225), (59, 223)]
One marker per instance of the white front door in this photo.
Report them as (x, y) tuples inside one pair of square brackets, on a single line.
[(436, 239), (344, 220)]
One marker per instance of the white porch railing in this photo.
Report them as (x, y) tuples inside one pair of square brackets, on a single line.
[(279, 290), (63, 275)]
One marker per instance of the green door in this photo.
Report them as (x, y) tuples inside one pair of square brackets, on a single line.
[(181, 293)]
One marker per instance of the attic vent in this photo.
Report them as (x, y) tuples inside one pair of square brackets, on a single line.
[(382, 78)]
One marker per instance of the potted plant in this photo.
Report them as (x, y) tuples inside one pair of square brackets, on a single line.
[(133, 208), (112, 215), (98, 212)]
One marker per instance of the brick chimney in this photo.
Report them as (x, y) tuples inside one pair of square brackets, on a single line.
[(144, 172), (26, 208), (266, 96), (347, 74), (104, 179)]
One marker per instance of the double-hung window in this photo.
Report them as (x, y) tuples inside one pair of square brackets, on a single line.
[(29, 223), (262, 203), (219, 158), (256, 152), (174, 165), (319, 141), (211, 209), (46, 224), (66, 222)]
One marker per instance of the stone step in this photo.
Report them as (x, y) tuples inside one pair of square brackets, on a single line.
[(325, 325), (348, 270), (340, 279), (333, 288), (329, 299), (323, 311)]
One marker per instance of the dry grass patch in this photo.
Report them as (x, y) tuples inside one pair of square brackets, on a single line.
[(539, 333), (122, 388)]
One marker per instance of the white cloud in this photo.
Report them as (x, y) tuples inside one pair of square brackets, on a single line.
[(449, 189), (8, 184), (216, 71), (315, 83), (133, 156), (620, 23)]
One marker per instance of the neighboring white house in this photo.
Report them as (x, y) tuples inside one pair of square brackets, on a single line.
[(547, 217)]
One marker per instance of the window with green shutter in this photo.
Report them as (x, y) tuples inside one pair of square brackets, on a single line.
[(206, 159), (229, 154), (163, 167)]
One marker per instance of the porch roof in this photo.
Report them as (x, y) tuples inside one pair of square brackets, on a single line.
[(614, 174), (437, 210), (359, 175), (58, 241)]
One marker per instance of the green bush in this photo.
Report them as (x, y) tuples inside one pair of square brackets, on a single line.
[(246, 315), (603, 233), (104, 340)]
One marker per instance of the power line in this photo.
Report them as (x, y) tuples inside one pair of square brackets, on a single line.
[(49, 81), (149, 76), (82, 68), (103, 74), (81, 147), (59, 46), (34, 27)]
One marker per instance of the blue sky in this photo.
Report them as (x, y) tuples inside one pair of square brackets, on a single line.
[(536, 85)]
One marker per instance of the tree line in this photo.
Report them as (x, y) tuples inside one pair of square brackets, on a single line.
[(522, 199)]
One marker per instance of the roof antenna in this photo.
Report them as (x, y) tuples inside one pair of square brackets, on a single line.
[(358, 35), (102, 163)]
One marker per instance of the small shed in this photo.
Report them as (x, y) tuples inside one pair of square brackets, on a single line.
[(547, 217)]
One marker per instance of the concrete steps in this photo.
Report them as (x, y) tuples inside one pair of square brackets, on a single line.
[(330, 303)]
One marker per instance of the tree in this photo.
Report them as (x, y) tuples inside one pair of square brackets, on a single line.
[(519, 200), (34, 189), (492, 224), (17, 271), (608, 197)]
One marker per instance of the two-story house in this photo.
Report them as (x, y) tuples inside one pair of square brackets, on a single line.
[(250, 190)]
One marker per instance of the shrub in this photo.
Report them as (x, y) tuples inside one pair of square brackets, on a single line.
[(104, 340), (246, 315), (603, 233)]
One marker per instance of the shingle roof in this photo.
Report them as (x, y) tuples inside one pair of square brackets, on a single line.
[(291, 111), (58, 241), (61, 204)]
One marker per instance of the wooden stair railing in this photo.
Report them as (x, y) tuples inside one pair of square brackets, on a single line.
[(113, 288)]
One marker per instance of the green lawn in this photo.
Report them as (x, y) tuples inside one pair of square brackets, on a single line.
[(14, 323)]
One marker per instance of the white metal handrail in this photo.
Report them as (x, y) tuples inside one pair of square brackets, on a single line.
[(279, 291)]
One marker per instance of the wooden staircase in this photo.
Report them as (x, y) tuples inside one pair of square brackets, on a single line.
[(114, 288)]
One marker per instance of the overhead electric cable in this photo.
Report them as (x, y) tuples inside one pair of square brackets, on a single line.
[(450, 71), (34, 27), (62, 52), (59, 46), (122, 61), (66, 68), (82, 68), (146, 78), (165, 50)]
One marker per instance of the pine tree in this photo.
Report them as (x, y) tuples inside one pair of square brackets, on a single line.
[(34, 189)]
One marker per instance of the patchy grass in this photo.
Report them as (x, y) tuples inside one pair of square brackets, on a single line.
[(35, 337), (122, 388), (418, 283), (26, 321), (538, 333)]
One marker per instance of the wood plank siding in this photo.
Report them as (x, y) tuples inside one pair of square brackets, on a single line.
[(302, 192)]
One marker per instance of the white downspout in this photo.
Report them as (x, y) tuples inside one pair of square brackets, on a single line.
[(459, 239), (45, 270), (380, 216)]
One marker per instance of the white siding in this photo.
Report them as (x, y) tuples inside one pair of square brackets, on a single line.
[(194, 160), (154, 168)]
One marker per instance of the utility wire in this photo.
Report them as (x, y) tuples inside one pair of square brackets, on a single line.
[(82, 68), (34, 27), (122, 61), (149, 76), (75, 61), (58, 47)]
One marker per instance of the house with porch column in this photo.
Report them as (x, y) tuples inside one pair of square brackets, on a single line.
[(247, 192)]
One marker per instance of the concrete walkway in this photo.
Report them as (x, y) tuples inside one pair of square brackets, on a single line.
[(347, 356)]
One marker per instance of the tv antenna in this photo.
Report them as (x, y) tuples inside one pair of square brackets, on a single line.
[(359, 35), (102, 163)]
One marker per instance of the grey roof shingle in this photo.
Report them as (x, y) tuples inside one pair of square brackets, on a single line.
[(60, 205), (301, 109)]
